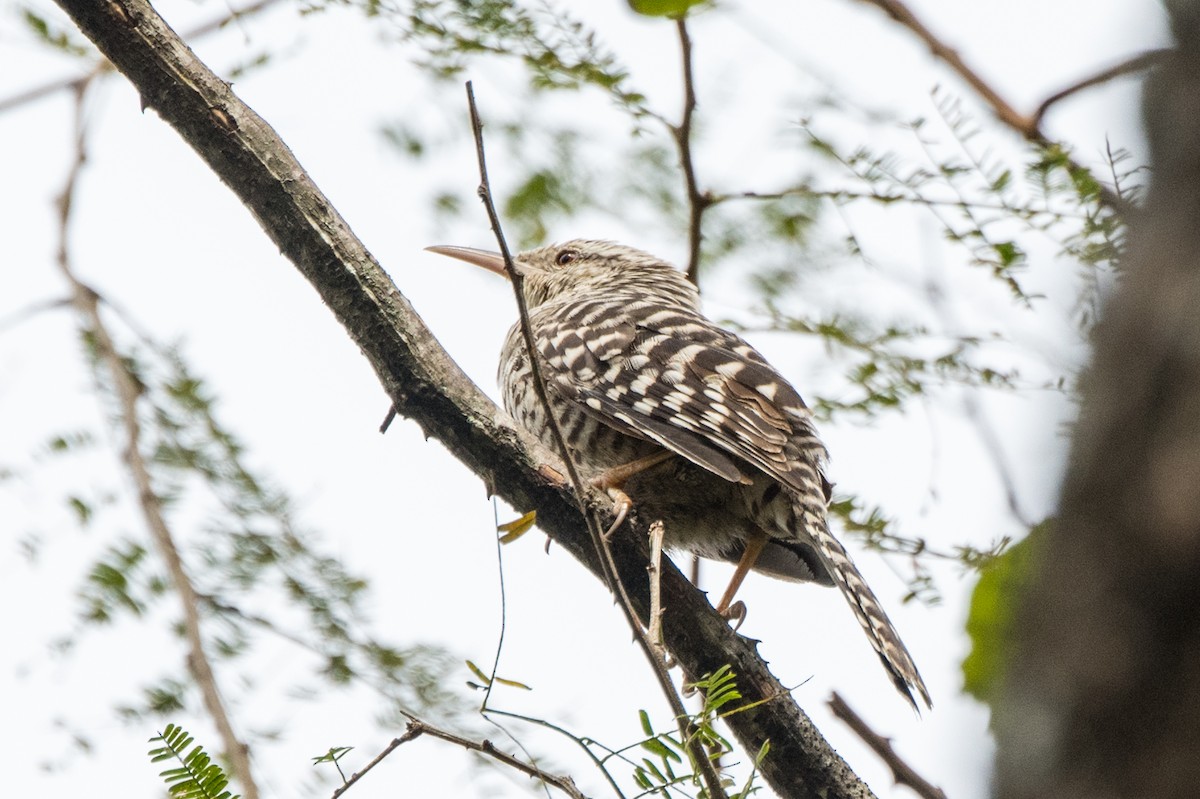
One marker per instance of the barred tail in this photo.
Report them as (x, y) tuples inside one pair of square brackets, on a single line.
[(867, 609)]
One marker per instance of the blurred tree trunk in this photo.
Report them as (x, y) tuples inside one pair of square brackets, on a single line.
[(1103, 695)]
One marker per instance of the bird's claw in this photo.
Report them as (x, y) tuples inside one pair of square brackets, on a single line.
[(621, 505), (735, 613)]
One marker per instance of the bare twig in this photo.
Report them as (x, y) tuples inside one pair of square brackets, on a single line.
[(128, 391), (903, 773), (412, 731), (702, 762), (1027, 126), (487, 692), (518, 283), (698, 202), (1126, 67), (884, 197), (417, 728), (897, 10)]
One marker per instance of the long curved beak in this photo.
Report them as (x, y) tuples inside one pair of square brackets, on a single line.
[(491, 261)]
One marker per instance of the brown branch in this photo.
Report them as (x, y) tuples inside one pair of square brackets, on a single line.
[(698, 202), (417, 728), (1129, 66), (1027, 126), (411, 732), (897, 10), (128, 390), (427, 387), (903, 773), (700, 758)]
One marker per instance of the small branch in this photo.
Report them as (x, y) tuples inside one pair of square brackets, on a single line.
[(698, 203), (897, 10), (903, 773), (531, 349), (128, 390), (703, 764), (1027, 126), (485, 747), (417, 728), (413, 730), (844, 195), (1131, 65)]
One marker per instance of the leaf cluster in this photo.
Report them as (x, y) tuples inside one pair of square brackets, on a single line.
[(196, 776)]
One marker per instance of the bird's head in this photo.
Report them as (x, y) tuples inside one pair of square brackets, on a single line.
[(586, 268)]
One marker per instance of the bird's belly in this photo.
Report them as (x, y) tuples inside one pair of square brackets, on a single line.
[(701, 512)]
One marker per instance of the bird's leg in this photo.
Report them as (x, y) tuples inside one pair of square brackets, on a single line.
[(613, 482), (737, 610)]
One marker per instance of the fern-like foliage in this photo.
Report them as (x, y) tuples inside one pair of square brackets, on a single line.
[(660, 773), (196, 777)]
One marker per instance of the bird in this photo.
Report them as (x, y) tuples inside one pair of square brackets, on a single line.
[(704, 434)]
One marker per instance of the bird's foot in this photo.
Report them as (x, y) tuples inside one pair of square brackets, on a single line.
[(621, 505), (735, 613)]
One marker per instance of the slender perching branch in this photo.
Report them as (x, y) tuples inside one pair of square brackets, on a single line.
[(128, 391), (1028, 126), (428, 388), (703, 763), (416, 728), (903, 773)]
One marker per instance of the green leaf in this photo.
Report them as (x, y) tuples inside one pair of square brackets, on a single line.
[(663, 8), (197, 777), (989, 622)]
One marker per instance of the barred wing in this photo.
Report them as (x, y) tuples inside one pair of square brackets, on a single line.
[(669, 375)]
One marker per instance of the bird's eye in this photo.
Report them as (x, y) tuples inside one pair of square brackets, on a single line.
[(565, 257)]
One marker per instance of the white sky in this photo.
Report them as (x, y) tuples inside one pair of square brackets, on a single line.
[(157, 233)]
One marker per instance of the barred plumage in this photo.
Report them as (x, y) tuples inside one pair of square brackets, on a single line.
[(632, 367)]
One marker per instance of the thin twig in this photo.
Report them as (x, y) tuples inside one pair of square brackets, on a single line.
[(1135, 64), (900, 12), (413, 730), (417, 727), (842, 195), (487, 692), (128, 390), (518, 282), (698, 202), (582, 743), (701, 760), (1027, 126), (903, 773)]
